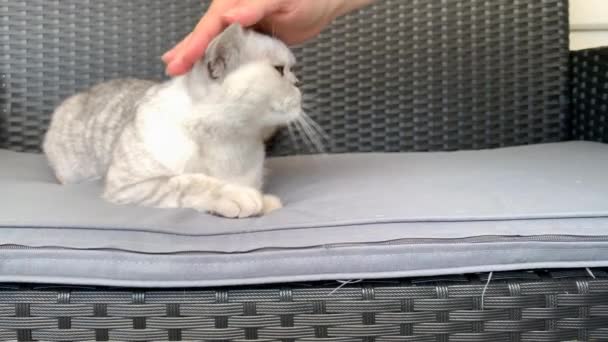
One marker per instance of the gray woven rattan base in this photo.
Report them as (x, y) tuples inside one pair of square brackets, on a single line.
[(530, 306), (398, 76)]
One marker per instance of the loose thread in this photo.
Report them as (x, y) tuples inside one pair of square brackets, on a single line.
[(344, 283), (485, 288)]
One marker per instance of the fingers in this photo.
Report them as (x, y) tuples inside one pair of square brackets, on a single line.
[(247, 15), (170, 55), (183, 56)]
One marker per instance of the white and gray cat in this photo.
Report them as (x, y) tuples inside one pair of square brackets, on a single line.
[(195, 141)]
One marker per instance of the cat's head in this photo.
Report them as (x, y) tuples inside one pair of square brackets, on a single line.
[(252, 73)]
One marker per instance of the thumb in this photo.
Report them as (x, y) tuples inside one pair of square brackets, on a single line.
[(251, 13)]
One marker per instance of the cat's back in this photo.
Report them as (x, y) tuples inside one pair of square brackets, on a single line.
[(119, 91), (85, 127)]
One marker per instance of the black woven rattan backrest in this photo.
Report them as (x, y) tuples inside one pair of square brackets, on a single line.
[(399, 76), (590, 94)]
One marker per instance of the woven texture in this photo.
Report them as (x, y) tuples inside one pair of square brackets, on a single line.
[(399, 76), (50, 49), (542, 306), (590, 94)]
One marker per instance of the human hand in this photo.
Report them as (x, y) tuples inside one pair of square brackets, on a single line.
[(293, 21)]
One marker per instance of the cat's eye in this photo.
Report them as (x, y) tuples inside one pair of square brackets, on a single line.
[(280, 69)]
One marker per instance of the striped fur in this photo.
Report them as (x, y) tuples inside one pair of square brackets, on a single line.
[(195, 141)]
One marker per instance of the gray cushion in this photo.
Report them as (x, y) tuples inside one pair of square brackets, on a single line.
[(347, 216)]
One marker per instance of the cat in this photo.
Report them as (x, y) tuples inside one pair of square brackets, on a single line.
[(195, 141)]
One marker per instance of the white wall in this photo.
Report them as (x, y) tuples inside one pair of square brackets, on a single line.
[(589, 23)]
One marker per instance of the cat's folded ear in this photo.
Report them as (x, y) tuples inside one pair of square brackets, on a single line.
[(223, 53)]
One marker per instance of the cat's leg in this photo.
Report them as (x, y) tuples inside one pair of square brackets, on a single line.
[(229, 200), (138, 176), (194, 191)]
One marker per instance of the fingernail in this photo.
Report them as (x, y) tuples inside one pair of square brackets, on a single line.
[(165, 56)]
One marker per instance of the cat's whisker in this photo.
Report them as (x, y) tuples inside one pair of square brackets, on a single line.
[(311, 134), (292, 135), (317, 128), (304, 135), (318, 143), (295, 134), (311, 131)]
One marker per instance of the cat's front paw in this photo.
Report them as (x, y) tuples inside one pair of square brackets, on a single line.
[(238, 202)]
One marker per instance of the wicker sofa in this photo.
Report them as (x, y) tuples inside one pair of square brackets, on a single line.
[(401, 76)]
